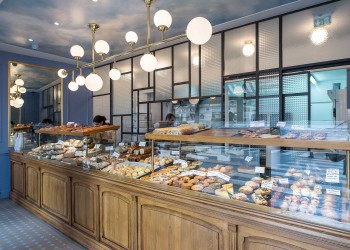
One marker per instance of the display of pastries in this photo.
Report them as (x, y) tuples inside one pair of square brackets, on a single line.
[(184, 129)]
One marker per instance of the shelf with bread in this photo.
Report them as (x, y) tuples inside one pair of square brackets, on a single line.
[(76, 130)]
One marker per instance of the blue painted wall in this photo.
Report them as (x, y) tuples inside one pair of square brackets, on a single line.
[(77, 106)]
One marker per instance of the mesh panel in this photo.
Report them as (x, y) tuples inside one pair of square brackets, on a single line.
[(181, 63), (134, 102), (127, 123), (250, 88), (163, 85), (296, 109), (163, 57), (101, 106), (269, 44), (194, 70), (181, 91), (235, 61), (211, 67), (140, 76), (249, 110), (297, 83), (117, 121), (122, 95), (269, 110), (269, 85), (124, 66), (103, 73)]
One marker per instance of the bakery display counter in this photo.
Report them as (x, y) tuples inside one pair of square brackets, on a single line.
[(205, 195)]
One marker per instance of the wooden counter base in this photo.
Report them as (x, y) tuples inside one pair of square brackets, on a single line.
[(102, 211)]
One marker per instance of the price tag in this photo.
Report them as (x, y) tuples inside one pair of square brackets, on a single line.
[(142, 144), (267, 184), (116, 155), (332, 175), (332, 191), (307, 172), (79, 153), (179, 161), (248, 158), (297, 127), (187, 173), (256, 124), (223, 176), (260, 170), (281, 124), (109, 148), (212, 173), (283, 181), (121, 144), (199, 173), (224, 158), (175, 152), (184, 165)]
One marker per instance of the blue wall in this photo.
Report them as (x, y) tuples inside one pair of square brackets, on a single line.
[(77, 106)]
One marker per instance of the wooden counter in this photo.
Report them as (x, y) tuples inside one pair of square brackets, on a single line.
[(103, 211)]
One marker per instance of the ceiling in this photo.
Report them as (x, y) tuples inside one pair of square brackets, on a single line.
[(21, 20)]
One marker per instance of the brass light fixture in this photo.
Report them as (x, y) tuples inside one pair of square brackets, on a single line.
[(16, 92), (199, 31)]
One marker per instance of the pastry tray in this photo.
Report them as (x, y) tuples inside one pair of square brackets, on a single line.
[(138, 164)]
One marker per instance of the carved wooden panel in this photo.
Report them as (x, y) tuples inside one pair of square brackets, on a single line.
[(18, 178), (251, 239), (55, 194), (116, 210), (33, 184), (85, 207), (162, 228)]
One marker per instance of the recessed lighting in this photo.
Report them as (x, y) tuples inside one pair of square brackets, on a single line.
[(30, 40), (56, 23)]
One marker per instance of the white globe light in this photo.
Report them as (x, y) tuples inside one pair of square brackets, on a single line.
[(80, 80), (199, 30), (73, 86), (114, 74), (194, 101), (101, 47), (62, 73), (19, 82), (13, 89), (248, 48), (319, 36), (93, 82), (16, 104), (77, 51), (20, 101), (22, 90), (11, 102), (162, 19), (148, 62), (131, 37)]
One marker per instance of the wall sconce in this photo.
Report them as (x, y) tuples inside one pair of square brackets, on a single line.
[(194, 101), (319, 34), (248, 48)]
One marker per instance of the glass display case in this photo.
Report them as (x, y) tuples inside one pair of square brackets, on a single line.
[(305, 180)]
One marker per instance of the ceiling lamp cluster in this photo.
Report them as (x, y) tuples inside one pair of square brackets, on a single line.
[(199, 31), (16, 92)]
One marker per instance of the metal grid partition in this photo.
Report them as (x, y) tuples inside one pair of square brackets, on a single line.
[(117, 121), (211, 67), (127, 124), (101, 106), (296, 109), (269, 44), (195, 59), (122, 95), (269, 84), (250, 87), (295, 83)]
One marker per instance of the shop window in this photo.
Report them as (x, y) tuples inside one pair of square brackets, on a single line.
[(211, 67), (181, 63), (235, 61), (297, 27), (269, 44)]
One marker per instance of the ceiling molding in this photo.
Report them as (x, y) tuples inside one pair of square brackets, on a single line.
[(34, 53)]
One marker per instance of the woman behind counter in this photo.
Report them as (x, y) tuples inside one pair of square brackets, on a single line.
[(104, 137)]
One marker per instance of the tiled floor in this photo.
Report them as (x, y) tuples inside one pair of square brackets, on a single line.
[(20, 229)]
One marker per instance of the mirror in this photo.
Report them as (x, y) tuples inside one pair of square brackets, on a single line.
[(35, 94)]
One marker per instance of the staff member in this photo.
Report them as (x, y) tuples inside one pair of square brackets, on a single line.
[(103, 137), (169, 121)]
